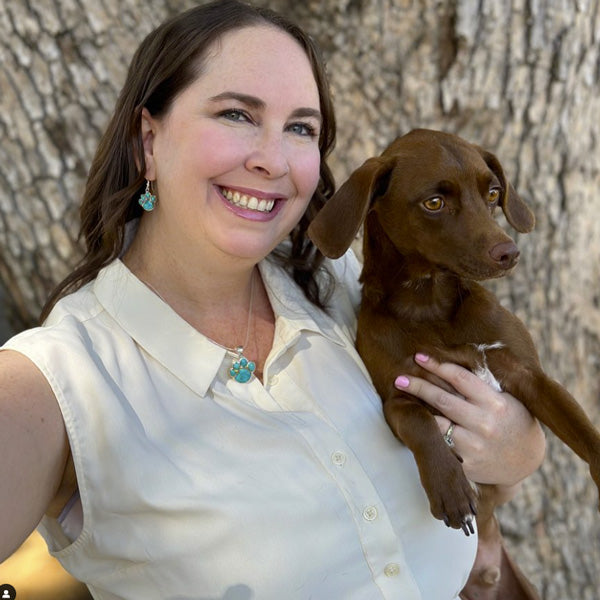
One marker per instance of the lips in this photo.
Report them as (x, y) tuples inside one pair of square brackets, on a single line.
[(247, 201)]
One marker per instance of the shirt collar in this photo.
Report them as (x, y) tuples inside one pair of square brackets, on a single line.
[(157, 328), (185, 352), (291, 305)]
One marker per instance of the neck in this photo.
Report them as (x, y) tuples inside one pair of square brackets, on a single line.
[(188, 282), (212, 296), (223, 297), (407, 284)]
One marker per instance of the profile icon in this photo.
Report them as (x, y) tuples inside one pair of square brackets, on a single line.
[(7, 592)]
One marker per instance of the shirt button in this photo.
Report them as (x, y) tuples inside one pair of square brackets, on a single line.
[(391, 570), (338, 458), (273, 380), (370, 513)]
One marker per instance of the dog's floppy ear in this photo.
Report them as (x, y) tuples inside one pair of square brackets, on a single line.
[(516, 211), (337, 223)]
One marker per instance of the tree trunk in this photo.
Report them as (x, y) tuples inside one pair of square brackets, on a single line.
[(520, 78)]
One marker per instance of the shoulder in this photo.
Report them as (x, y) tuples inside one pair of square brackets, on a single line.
[(65, 324), (30, 361), (346, 273), (20, 378), (25, 391), (47, 353), (344, 302)]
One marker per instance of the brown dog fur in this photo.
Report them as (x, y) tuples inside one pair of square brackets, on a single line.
[(427, 205)]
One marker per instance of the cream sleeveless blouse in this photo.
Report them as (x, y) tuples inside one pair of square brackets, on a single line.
[(195, 486)]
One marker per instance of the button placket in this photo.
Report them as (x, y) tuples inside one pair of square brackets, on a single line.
[(378, 538), (338, 458), (391, 570), (370, 513)]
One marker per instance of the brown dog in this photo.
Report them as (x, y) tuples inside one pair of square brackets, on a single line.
[(427, 204)]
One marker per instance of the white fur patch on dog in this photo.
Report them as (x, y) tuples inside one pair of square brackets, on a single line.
[(483, 371)]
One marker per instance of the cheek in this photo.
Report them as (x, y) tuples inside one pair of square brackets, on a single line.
[(308, 171), (218, 151), (202, 149)]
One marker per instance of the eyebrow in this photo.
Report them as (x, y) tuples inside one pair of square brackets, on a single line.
[(257, 103)]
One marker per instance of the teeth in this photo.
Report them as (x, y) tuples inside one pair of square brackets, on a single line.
[(248, 201)]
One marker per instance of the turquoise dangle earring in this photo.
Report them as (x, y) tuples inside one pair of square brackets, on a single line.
[(147, 200)]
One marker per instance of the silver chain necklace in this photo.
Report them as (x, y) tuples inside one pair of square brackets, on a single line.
[(242, 369)]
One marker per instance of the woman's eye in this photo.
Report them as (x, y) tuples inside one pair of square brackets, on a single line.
[(434, 204), (303, 129), (493, 195), (235, 114)]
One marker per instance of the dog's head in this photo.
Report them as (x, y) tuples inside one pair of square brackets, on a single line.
[(434, 195)]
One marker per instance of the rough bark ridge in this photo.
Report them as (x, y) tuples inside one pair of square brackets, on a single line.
[(520, 77)]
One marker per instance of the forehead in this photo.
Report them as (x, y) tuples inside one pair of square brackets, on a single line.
[(429, 162), (434, 155), (261, 59)]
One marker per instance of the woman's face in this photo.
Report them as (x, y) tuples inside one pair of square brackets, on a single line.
[(236, 158)]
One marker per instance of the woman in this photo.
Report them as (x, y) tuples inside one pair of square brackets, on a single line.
[(192, 419)]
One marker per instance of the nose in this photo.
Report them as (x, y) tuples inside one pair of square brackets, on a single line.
[(506, 254), (268, 156)]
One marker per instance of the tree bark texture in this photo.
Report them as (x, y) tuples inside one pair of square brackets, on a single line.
[(519, 77)]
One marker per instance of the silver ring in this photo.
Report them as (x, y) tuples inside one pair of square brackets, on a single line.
[(448, 435)]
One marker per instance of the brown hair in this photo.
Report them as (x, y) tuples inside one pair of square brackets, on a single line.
[(167, 61)]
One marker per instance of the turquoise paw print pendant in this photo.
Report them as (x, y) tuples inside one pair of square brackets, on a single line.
[(147, 200), (242, 369)]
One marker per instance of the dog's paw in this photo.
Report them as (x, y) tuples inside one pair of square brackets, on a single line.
[(452, 497), (466, 524)]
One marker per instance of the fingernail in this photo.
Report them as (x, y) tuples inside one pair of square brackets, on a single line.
[(421, 357), (402, 382)]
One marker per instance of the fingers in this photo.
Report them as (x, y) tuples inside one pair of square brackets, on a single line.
[(475, 405), (462, 380), (469, 413), (450, 405), (465, 383), (444, 424), (493, 432)]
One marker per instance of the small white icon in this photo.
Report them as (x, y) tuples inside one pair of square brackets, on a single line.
[(8, 592)]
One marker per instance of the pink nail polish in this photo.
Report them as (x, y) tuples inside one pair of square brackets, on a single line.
[(402, 382), (421, 357)]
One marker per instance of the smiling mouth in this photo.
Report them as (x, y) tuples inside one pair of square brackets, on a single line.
[(250, 202)]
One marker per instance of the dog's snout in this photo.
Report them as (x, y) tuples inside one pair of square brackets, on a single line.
[(506, 254)]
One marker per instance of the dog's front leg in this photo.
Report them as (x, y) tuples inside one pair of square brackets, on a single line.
[(548, 401), (452, 498)]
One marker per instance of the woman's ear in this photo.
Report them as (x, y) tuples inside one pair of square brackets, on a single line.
[(148, 129)]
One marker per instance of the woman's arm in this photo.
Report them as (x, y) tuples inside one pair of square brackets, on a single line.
[(498, 439), (33, 449)]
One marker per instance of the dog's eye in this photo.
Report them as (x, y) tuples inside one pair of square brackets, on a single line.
[(434, 204), (493, 195)]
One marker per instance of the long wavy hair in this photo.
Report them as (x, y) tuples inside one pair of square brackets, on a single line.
[(168, 60)]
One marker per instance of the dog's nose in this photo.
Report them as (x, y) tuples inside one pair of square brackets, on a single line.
[(505, 254)]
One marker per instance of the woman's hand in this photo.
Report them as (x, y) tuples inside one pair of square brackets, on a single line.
[(498, 439)]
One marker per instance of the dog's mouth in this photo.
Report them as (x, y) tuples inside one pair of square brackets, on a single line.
[(479, 271)]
